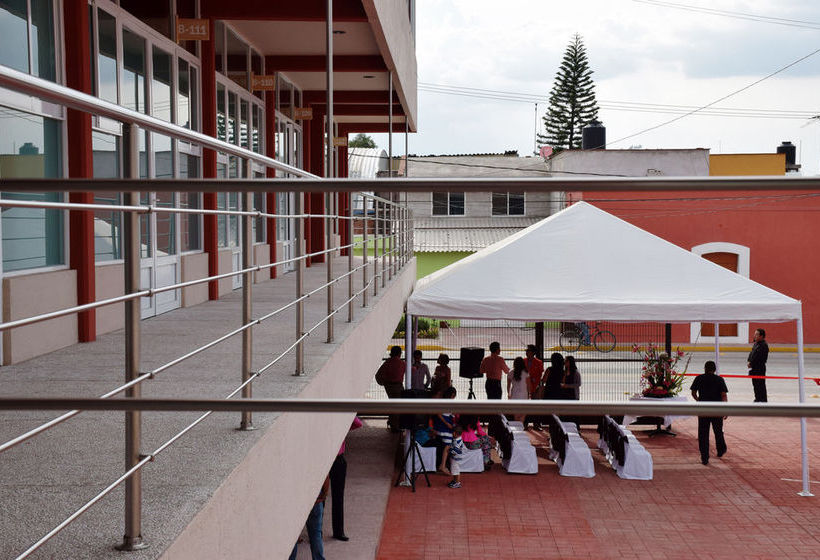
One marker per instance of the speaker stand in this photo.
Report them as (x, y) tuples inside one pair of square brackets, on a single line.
[(471, 394), (412, 455)]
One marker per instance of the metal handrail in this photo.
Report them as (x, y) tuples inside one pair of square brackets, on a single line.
[(421, 406), (62, 95)]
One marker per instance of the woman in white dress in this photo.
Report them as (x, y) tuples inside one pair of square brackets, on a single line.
[(517, 387)]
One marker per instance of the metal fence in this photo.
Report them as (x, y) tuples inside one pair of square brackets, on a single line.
[(384, 247)]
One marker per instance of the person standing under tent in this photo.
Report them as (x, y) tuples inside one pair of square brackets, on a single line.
[(494, 367), (535, 369), (757, 364), (710, 387), (391, 375), (419, 374), (517, 383)]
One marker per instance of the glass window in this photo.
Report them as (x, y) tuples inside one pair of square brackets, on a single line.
[(107, 58), (133, 73), (508, 204), (282, 224), (30, 146), (166, 225), (161, 85), (445, 204), (244, 111), (107, 225), (14, 34), (187, 9), (42, 40), (259, 222), (190, 224), (257, 125), (233, 118), (184, 94), (221, 114)]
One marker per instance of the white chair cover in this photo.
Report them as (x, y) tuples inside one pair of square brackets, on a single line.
[(472, 461), (428, 457), (523, 459)]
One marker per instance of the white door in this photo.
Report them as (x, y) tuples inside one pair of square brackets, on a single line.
[(284, 229), (159, 265)]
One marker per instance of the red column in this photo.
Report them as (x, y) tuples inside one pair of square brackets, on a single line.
[(80, 164), (270, 151), (317, 200), (209, 229)]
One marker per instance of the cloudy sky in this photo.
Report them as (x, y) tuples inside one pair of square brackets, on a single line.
[(656, 52)]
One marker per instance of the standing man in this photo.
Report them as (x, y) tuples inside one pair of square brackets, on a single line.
[(757, 364), (314, 526), (535, 369), (709, 387), (338, 474), (391, 375), (494, 367), (419, 373)]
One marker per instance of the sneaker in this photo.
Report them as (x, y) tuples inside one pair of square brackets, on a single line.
[(453, 484)]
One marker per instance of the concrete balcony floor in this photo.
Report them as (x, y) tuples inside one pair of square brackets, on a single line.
[(50, 476)]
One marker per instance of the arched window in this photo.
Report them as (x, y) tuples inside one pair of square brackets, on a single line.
[(736, 258)]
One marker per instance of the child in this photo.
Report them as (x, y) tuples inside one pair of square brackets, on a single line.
[(443, 428), (456, 455)]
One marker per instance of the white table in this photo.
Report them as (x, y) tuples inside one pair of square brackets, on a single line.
[(667, 420)]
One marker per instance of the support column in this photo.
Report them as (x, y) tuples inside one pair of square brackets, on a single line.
[(80, 165), (344, 201), (270, 197), (209, 226), (316, 201)]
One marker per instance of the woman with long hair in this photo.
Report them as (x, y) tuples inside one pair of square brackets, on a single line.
[(571, 382), (517, 387), (553, 377)]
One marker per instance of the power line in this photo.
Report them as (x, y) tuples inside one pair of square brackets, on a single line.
[(735, 15), (628, 106), (744, 88)]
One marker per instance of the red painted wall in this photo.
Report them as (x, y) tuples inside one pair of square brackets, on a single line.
[(778, 228)]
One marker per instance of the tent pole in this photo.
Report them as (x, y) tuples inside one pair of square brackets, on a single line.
[(408, 350), (802, 388), (717, 347)]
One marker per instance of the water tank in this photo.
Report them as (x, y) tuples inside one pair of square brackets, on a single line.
[(594, 136), (791, 152)]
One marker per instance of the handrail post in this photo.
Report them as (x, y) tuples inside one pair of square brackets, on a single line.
[(349, 227), (132, 539), (376, 238), (384, 245), (300, 271), (247, 299), (329, 263), (364, 250)]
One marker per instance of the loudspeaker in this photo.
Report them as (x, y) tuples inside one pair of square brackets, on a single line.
[(413, 421), (470, 362)]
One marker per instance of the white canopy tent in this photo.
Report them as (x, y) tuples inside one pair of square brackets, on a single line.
[(584, 264)]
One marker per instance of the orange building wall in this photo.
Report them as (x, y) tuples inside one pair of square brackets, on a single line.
[(747, 164)]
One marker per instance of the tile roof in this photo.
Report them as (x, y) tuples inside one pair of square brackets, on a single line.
[(438, 235)]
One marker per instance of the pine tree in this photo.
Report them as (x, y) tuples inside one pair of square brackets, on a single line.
[(572, 100)]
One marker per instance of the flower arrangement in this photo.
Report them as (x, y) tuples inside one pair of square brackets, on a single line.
[(659, 376)]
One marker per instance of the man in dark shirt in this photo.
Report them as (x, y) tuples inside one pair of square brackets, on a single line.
[(709, 387), (392, 371), (757, 364)]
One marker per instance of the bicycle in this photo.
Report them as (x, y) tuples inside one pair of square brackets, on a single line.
[(572, 337)]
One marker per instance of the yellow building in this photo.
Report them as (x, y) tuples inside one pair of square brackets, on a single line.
[(747, 164)]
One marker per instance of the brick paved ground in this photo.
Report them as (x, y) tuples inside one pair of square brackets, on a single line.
[(744, 505)]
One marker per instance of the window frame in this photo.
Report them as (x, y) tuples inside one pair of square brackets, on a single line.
[(506, 195), (449, 204)]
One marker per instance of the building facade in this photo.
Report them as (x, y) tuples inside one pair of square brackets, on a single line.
[(250, 73)]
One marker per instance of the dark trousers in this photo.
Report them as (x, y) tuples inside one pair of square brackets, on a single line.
[(493, 388), (393, 391), (338, 473), (703, 436), (759, 385)]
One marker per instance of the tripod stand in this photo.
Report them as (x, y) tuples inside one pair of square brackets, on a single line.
[(471, 394), (412, 455)]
